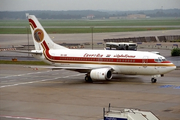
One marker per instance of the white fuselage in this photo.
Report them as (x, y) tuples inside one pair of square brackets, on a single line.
[(122, 62)]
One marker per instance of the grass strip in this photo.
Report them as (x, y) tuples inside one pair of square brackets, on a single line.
[(107, 22), (23, 62), (79, 30)]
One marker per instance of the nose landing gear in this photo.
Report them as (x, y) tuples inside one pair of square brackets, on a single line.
[(153, 80)]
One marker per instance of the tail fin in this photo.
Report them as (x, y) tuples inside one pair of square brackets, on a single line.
[(39, 35)]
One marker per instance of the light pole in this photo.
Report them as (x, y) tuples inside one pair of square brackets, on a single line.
[(28, 39), (92, 35), (27, 14)]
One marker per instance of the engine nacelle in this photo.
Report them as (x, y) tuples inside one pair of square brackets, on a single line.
[(101, 74)]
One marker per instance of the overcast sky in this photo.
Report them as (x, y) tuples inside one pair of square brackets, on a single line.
[(122, 5)]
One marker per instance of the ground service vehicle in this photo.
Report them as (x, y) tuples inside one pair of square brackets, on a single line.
[(121, 46)]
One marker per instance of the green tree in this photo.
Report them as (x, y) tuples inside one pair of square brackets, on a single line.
[(175, 52)]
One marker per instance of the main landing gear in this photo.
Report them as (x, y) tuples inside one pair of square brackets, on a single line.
[(88, 78), (153, 80)]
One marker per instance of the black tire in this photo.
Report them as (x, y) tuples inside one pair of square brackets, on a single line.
[(153, 80), (88, 79)]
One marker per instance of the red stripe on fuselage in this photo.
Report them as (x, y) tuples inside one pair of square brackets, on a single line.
[(91, 60), (46, 51)]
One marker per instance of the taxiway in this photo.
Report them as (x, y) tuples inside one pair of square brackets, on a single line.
[(42, 94), (64, 95)]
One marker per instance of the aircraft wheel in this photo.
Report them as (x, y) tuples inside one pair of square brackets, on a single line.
[(88, 79), (153, 80)]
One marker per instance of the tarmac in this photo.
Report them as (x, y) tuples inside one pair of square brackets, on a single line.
[(9, 40), (43, 94)]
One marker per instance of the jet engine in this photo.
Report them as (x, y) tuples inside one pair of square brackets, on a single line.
[(101, 74)]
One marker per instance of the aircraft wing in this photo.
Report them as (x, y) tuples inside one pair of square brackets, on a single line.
[(78, 69)]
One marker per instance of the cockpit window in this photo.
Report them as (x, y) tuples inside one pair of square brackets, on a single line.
[(164, 60), (159, 59)]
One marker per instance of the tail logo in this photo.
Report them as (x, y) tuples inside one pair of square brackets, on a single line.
[(38, 35)]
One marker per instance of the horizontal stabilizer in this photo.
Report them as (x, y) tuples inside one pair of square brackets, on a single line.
[(31, 52)]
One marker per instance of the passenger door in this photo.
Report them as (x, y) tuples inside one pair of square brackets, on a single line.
[(145, 61)]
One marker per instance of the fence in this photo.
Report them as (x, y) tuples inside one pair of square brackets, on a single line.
[(145, 39), (169, 38)]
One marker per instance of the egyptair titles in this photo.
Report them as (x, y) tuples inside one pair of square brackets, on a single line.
[(93, 55), (124, 56), (108, 55)]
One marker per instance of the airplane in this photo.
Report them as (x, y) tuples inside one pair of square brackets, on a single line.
[(96, 64)]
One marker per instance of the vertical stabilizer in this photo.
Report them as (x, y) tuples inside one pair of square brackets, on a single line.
[(39, 35)]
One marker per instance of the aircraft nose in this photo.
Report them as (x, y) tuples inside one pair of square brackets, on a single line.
[(173, 67), (170, 67)]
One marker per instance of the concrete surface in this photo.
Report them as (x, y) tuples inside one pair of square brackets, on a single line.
[(64, 95), (21, 39)]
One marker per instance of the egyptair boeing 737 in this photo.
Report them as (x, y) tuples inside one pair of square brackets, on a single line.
[(97, 64)]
